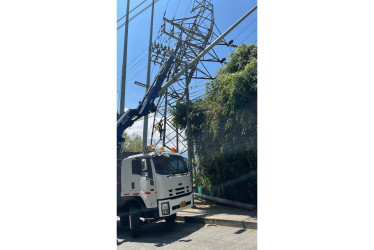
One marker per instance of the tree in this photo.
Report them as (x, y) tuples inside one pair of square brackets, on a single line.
[(132, 143), (224, 127)]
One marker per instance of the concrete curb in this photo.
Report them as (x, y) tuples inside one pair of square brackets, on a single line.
[(228, 202), (219, 222)]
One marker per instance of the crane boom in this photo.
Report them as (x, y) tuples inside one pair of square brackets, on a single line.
[(146, 105)]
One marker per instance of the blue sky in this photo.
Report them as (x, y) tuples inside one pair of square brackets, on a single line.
[(226, 13)]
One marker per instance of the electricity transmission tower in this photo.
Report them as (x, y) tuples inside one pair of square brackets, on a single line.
[(196, 32)]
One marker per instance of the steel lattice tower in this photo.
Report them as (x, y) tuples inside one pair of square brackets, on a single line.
[(195, 32)]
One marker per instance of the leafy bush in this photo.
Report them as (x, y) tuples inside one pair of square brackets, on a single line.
[(224, 128)]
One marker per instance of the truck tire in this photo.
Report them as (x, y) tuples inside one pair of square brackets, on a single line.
[(134, 220), (171, 219), (124, 221)]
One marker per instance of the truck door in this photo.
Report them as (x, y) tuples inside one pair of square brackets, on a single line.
[(147, 183)]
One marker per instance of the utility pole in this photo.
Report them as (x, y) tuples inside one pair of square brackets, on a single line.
[(145, 125), (189, 147), (124, 63)]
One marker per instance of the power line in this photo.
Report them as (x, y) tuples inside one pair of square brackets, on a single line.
[(249, 35), (245, 28), (136, 74), (132, 10), (137, 62), (167, 4), (137, 14), (140, 12), (133, 76), (188, 8), (177, 8), (136, 57)]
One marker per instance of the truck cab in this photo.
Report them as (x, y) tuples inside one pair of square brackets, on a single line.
[(152, 185)]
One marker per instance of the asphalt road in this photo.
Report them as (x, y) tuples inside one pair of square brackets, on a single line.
[(188, 236)]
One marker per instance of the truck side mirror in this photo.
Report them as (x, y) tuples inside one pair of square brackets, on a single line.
[(144, 165)]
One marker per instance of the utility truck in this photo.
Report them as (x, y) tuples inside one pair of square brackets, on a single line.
[(151, 186)]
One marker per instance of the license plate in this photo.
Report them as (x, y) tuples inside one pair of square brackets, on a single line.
[(183, 203)]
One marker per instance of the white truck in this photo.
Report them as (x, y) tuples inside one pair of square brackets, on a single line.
[(151, 186), (154, 184)]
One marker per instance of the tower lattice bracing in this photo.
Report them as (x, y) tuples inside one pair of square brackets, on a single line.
[(196, 32)]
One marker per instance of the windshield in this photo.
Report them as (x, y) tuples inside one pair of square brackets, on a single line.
[(174, 164)]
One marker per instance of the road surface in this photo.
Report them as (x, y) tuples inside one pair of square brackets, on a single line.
[(188, 236)]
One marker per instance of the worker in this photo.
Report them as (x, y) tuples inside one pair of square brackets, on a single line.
[(159, 128)]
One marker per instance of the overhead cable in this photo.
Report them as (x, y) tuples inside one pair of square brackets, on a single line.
[(245, 28), (137, 14), (249, 35), (132, 10)]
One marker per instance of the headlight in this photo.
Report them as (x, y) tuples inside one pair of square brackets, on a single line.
[(165, 209)]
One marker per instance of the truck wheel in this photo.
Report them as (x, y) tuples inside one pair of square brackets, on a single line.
[(171, 219), (124, 220), (134, 221)]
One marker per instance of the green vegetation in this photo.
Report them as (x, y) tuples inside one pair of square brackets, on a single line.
[(132, 143), (224, 129)]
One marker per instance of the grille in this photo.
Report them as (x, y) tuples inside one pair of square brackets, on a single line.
[(179, 191), (176, 207)]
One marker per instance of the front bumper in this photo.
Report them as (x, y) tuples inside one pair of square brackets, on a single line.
[(175, 204)]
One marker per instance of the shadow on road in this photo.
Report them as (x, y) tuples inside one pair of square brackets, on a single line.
[(212, 208), (160, 234)]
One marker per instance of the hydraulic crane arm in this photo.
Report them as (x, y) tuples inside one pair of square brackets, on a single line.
[(146, 105)]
